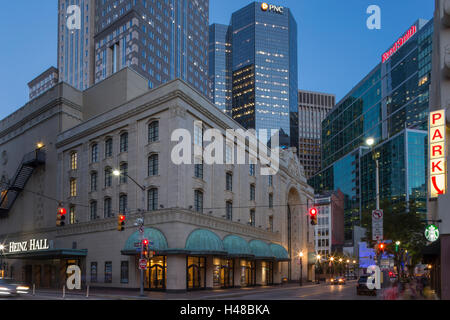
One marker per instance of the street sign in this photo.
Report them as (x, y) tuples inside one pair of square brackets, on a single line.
[(377, 225), (432, 233), (143, 264)]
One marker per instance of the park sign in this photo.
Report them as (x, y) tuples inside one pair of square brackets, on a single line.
[(437, 159), (432, 233)]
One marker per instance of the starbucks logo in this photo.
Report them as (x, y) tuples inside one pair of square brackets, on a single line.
[(432, 233)]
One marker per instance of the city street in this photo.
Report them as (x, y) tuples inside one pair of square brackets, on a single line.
[(284, 292)]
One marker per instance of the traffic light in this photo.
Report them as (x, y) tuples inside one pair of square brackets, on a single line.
[(381, 247), (61, 217), (121, 222), (145, 243), (313, 216)]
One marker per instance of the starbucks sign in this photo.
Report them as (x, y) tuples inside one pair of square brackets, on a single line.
[(432, 233)]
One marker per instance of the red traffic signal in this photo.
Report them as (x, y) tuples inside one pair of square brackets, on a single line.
[(61, 217), (381, 246), (62, 211), (121, 222), (313, 212), (313, 216), (145, 242)]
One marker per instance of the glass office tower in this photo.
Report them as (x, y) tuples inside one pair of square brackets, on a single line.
[(390, 105), (219, 54), (264, 70)]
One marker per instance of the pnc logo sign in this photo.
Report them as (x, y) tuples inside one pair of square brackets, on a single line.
[(272, 8), (437, 164)]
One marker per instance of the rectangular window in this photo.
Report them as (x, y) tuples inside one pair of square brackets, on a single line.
[(229, 182), (271, 201), (228, 154), (199, 171), (270, 181), (252, 170), (72, 216), (124, 272), (271, 223), (108, 272), (107, 208), (123, 173), (73, 187), (74, 161), (252, 218), (124, 142), (198, 201), (153, 165), (153, 132), (252, 192), (108, 178), (229, 215), (123, 203), (93, 181), (94, 272), (198, 135), (94, 153), (152, 199), (93, 208)]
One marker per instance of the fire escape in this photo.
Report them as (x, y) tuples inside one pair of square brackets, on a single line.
[(10, 193)]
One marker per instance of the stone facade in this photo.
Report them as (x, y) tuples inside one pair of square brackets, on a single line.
[(90, 237)]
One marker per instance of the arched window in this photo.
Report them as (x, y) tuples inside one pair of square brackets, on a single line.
[(93, 209), (153, 199), (108, 177), (123, 173), (153, 165), (123, 203), (108, 148), (124, 142), (153, 131), (107, 209), (94, 153)]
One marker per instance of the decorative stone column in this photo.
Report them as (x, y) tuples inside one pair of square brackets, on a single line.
[(259, 274), (237, 273), (209, 272), (277, 272), (176, 273)]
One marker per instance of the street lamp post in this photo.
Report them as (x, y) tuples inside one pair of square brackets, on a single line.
[(118, 173), (340, 267), (332, 267), (318, 262), (301, 267), (376, 156)]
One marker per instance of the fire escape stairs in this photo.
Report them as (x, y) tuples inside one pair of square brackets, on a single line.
[(10, 192)]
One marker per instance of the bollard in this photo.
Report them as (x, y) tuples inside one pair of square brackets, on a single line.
[(64, 292), (87, 293), (34, 289)]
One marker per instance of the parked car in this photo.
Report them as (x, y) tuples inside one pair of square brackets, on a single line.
[(11, 287)]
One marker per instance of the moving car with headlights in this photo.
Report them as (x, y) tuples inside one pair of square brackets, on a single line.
[(337, 280), (11, 287), (361, 287)]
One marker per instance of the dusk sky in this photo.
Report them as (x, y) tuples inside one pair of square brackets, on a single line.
[(336, 49)]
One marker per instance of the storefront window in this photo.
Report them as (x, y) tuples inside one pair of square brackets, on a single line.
[(124, 272), (93, 272), (156, 273), (196, 273), (267, 273), (223, 273), (248, 273), (108, 272)]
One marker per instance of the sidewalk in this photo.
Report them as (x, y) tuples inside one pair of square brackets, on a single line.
[(120, 294)]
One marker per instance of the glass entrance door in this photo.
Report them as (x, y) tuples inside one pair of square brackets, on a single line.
[(156, 273), (196, 273), (226, 274)]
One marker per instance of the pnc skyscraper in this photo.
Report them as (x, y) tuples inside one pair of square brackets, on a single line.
[(264, 73)]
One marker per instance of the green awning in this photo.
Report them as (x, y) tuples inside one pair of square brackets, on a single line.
[(237, 247), (203, 241), (279, 252), (157, 240), (261, 250)]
